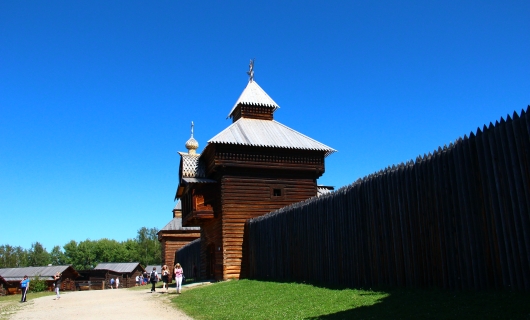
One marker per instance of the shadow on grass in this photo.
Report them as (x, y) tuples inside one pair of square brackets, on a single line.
[(406, 303), (436, 304)]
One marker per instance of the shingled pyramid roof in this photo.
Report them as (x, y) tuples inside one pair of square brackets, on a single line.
[(254, 95)]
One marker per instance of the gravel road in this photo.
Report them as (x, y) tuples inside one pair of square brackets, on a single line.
[(102, 304)]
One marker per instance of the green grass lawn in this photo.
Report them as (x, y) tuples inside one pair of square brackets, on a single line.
[(250, 299), (11, 303)]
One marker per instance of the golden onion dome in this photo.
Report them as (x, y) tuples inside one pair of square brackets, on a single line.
[(192, 145)]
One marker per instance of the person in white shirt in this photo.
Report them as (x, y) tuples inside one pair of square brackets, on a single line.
[(179, 273)]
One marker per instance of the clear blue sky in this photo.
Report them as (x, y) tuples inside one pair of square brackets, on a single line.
[(96, 97)]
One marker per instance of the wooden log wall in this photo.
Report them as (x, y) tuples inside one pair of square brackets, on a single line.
[(458, 219), (171, 242), (189, 257), (246, 197), (211, 257)]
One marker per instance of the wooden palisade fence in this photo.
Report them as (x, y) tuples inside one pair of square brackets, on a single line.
[(458, 218), (189, 257)]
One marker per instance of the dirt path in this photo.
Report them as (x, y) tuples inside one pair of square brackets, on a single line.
[(102, 304)]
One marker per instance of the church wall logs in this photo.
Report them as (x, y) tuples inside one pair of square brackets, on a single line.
[(458, 218), (211, 243), (248, 197)]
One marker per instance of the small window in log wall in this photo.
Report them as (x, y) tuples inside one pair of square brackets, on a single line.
[(277, 192)]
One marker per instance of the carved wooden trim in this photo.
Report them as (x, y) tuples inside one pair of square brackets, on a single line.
[(292, 159)]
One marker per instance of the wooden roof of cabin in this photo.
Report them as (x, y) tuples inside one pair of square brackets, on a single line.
[(124, 267), (176, 224), (47, 272), (267, 133), (150, 267)]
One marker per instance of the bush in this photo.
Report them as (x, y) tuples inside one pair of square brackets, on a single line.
[(38, 284)]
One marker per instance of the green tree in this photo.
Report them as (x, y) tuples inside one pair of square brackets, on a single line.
[(6, 256), (82, 255), (38, 256), (13, 257), (144, 248), (70, 253), (86, 254), (57, 256), (111, 251), (133, 249), (149, 249), (21, 257)]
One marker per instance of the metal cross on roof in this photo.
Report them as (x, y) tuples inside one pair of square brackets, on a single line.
[(192, 129), (251, 71)]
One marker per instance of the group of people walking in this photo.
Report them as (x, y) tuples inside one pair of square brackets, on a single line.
[(178, 274), (114, 282)]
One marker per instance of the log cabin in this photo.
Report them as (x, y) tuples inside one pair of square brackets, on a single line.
[(13, 276), (254, 166), (96, 279), (125, 271), (3, 285)]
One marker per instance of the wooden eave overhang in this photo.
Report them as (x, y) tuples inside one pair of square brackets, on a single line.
[(269, 134), (197, 217), (179, 234), (186, 183)]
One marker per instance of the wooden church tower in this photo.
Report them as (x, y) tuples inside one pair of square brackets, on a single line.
[(254, 166)]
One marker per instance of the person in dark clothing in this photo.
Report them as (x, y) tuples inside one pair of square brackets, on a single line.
[(165, 277), (154, 279), (24, 285), (57, 283)]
